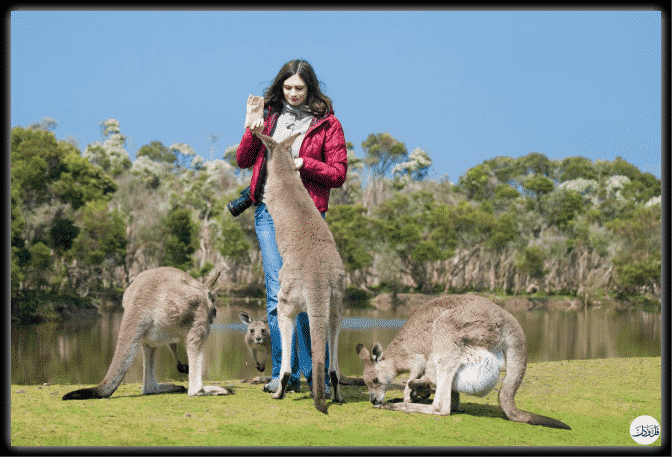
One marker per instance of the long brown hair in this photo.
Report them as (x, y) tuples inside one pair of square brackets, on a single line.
[(318, 103)]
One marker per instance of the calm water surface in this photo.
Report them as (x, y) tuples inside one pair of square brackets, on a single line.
[(80, 351)]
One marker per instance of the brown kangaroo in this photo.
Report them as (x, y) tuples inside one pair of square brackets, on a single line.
[(162, 306), (312, 277), (457, 343), (257, 339)]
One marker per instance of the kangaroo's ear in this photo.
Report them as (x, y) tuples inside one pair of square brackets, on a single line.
[(264, 319), (376, 352), (267, 140), (210, 284), (245, 318), (363, 353)]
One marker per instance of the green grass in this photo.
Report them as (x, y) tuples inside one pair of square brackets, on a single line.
[(597, 398)]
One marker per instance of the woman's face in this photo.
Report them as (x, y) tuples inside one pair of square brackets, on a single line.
[(295, 90)]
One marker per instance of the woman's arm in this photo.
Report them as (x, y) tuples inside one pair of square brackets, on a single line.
[(330, 173), (248, 149)]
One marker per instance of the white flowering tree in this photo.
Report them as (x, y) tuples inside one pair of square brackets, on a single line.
[(416, 168), (110, 155)]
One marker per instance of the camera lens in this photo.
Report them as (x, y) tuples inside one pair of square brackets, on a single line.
[(240, 204)]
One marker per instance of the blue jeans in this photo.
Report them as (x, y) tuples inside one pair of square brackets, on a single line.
[(272, 262)]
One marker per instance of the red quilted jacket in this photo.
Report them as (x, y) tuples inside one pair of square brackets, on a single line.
[(325, 159)]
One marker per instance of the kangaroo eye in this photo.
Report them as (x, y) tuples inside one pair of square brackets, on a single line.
[(263, 330), (375, 380)]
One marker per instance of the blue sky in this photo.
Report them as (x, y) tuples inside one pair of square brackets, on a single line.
[(465, 86)]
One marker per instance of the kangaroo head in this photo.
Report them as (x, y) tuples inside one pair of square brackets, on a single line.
[(279, 150), (378, 372), (257, 338)]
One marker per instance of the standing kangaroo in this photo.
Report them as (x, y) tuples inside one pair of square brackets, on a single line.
[(312, 277), (162, 306), (458, 343), (257, 339)]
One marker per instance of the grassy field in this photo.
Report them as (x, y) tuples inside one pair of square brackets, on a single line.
[(598, 399)]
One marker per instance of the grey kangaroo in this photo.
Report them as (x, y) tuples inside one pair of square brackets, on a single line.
[(457, 343), (257, 339), (162, 306), (312, 277)]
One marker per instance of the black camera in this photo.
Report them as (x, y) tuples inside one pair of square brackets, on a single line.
[(240, 204)]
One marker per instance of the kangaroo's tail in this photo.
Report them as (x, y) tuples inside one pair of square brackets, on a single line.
[(516, 363), (318, 342), (127, 346)]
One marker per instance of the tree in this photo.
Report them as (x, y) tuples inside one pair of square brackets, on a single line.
[(111, 155), (536, 163), (99, 247), (638, 258), (506, 169), (577, 167), (351, 190), (562, 207), (538, 185), (157, 152), (182, 239), (414, 227), (354, 237), (478, 182), (51, 182), (381, 153), (415, 169), (233, 244)]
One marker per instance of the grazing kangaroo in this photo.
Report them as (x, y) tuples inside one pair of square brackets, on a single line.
[(257, 338), (458, 343), (161, 306), (312, 277)]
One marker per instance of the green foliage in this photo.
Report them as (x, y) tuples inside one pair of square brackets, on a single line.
[(577, 167), (234, 244), (504, 229), (182, 239), (562, 207), (538, 185), (506, 169), (531, 261), (536, 163), (353, 234), (157, 152), (414, 226), (638, 261), (203, 271), (478, 182), (382, 152), (46, 171), (102, 236)]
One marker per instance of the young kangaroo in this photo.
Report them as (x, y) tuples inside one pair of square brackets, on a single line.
[(257, 338), (161, 306), (312, 277), (458, 343)]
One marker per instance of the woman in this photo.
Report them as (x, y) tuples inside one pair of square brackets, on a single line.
[(293, 103)]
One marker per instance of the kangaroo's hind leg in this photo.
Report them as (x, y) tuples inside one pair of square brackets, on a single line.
[(287, 312), (150, 386)]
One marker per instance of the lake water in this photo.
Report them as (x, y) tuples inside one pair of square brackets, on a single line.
[(80, 351)]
